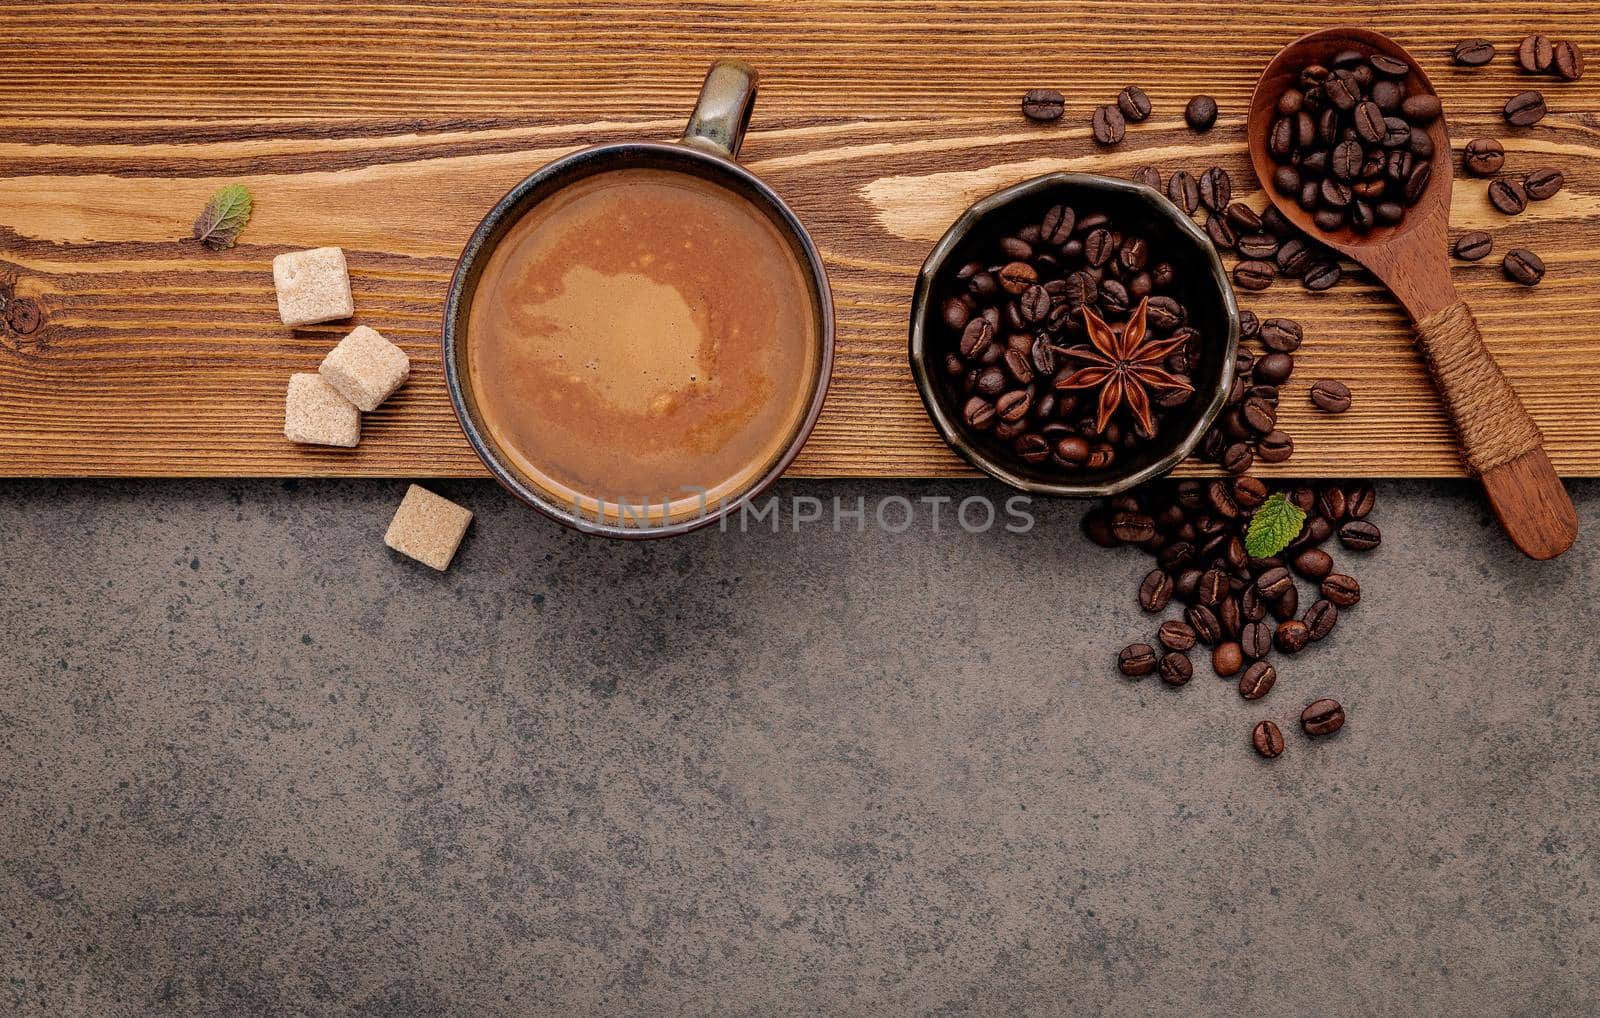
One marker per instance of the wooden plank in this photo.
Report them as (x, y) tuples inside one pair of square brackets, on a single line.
[(389, 128)]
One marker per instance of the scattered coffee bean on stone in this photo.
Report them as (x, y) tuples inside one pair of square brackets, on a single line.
[(1201, 113), (1473, 52), (1267, 739), (1483, 157), (1359, 535), (1257, 680), (1176, 668), (1176, 635), (1523, 266), (1227, 658), (1474, 246), (1322, 717), (1042, 104), (1321, 618), (1137, 659), (1342, 590), (1525, 108)]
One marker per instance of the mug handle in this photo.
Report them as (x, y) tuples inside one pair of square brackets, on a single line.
[(723, 111)]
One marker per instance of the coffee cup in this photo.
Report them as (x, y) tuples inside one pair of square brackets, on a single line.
[(638, 336)]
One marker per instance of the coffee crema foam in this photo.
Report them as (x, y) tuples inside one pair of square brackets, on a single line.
[(643, 336)]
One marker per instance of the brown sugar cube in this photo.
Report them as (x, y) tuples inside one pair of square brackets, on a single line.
[(315, 413), (313, 286), (428, 528), (366, 368)]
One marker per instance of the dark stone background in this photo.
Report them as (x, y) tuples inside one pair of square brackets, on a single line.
[(252, 763)]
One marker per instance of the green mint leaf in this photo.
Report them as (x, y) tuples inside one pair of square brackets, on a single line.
[(1274, 525), (224, 217)]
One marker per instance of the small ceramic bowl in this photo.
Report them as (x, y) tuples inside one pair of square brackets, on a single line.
[(1202, 286)]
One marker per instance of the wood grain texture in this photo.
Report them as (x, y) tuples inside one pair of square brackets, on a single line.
[(390, 128)]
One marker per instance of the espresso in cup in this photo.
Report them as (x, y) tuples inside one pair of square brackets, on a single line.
[(643, 335), (638, 336)]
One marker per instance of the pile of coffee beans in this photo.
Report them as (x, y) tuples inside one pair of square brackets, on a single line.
[(1246, 612), (1010, 316), (1351, 141)]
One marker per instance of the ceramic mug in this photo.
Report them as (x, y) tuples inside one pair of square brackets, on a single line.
[(708, 149)]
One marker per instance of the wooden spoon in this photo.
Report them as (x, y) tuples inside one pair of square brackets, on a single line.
[(1500, 441)]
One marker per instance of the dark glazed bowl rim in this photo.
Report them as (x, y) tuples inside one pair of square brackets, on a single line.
[(571, 168), (922, 310)]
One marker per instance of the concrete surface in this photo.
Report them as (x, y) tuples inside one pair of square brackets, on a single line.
[(251, 763)]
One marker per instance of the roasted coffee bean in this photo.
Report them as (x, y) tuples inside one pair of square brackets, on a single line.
[(1330, 504), (1287, 606), (1097, 528), (1474, 246), (1184, 191), (1019, 367), (1525, 108), (1322, 717), (1156, 591), (1421, 108), (1523, 266), (1359, 501), (1473, 52), (1204, 623), (1267, 739), (1219, 496), (1416, 184), (1136, 659), (1275, 368), (1321, 618), (1274, 583), (1542, 184), (1508, 197), (1072, 451), (1281, 335), (1230, 618), (1369, 123), (1258, 246), (1032, 448), (1014, 406), (1342, 590), (1254, 275), (1216, 189), (1251, 605), (1056, 227), (1292, 636), (1109, 126), (1237, 458), (1535, 54), (991, 382), (1330, 395), (1213, 587), (1201, 113), (1042, 104), (1360, 535), (1255, 639), (1149, 176), (1567, 61), (1275, 446), (1389, 67), (979, 414), (1016, 277), (1243, 218), (1222, 236), (1321, 276), (1133, 103), (1176, 668), (1313, 564), (1258, 414), (1175, 635), (1257, 679), (1227, 658), (1483, 157), (1294, 257), (1249, 492)]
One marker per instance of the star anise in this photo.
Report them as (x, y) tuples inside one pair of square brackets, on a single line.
[(1124, 366)]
